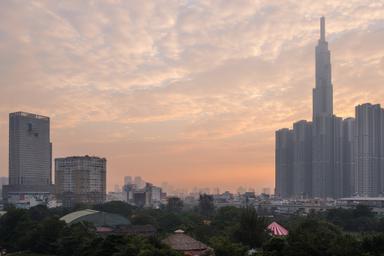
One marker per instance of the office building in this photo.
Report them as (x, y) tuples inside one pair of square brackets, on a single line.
[(80, 179), (30, 157)]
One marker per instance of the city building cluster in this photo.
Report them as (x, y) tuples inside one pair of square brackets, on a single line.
[(142, 194), (79, 179), (331, 157)]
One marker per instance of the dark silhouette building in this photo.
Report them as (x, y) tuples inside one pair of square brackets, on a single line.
[(331, 157)]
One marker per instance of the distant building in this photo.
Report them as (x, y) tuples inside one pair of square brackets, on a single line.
[(80, 179), (30, 157), (115, 196), (348, 156), (3, 181), (284, 163), (369, 150), (149, 196), (265, 191), (139, 182), (302, 159), (127, 180), (332, 157)]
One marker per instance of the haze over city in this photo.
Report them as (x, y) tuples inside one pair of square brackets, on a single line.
[(190, 94)]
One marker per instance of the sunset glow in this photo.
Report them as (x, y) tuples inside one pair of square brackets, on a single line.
[(190, 94)]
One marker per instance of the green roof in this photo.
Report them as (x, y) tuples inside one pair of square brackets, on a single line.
[(97, 218)]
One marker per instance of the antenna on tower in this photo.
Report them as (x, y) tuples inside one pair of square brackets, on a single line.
[(322, 28)]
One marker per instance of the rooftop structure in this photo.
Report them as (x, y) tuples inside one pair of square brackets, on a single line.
[(277, 230), (97, 218), (187, 245)]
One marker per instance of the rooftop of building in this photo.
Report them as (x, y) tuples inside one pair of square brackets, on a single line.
[(362, 199), (97, 218), (182, 242), (30, 115), (86, 157)]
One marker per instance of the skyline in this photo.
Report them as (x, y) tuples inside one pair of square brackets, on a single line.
[(190, 92)]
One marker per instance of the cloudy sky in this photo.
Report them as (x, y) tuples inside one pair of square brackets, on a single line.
[(184, 91)]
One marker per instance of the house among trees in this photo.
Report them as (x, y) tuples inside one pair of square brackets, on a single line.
[(187, 245)]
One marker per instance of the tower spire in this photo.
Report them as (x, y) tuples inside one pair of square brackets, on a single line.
[(322, 28)]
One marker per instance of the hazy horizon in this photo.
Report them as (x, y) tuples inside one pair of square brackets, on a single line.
[(187, 92)]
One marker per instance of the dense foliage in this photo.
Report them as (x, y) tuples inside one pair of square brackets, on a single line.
[(230, 231), (39, 232)]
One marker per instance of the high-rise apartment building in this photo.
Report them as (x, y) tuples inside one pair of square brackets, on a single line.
[(348, 156), (302, 159), (80, 179), (369, 150), (284, 162), (30, 156)]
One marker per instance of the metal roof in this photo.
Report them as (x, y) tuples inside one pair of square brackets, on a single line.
[(69, 218)]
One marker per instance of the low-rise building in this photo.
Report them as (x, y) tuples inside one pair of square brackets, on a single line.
[(187, 245)]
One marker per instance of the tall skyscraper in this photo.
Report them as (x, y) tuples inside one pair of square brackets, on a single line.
[(323, 92), (369, 150), (302, 159), (347, 155), (327, 130), (80, 179), (317, 167), (284, 162), (30, 155)]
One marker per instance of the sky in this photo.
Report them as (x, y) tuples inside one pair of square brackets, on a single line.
[(183, 91)]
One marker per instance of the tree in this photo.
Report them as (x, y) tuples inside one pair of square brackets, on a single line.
[(206, 206), (225, 247), (373, 244), (275, 246), (43, 237), (313, 237), (13, 225), (251, 230)]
